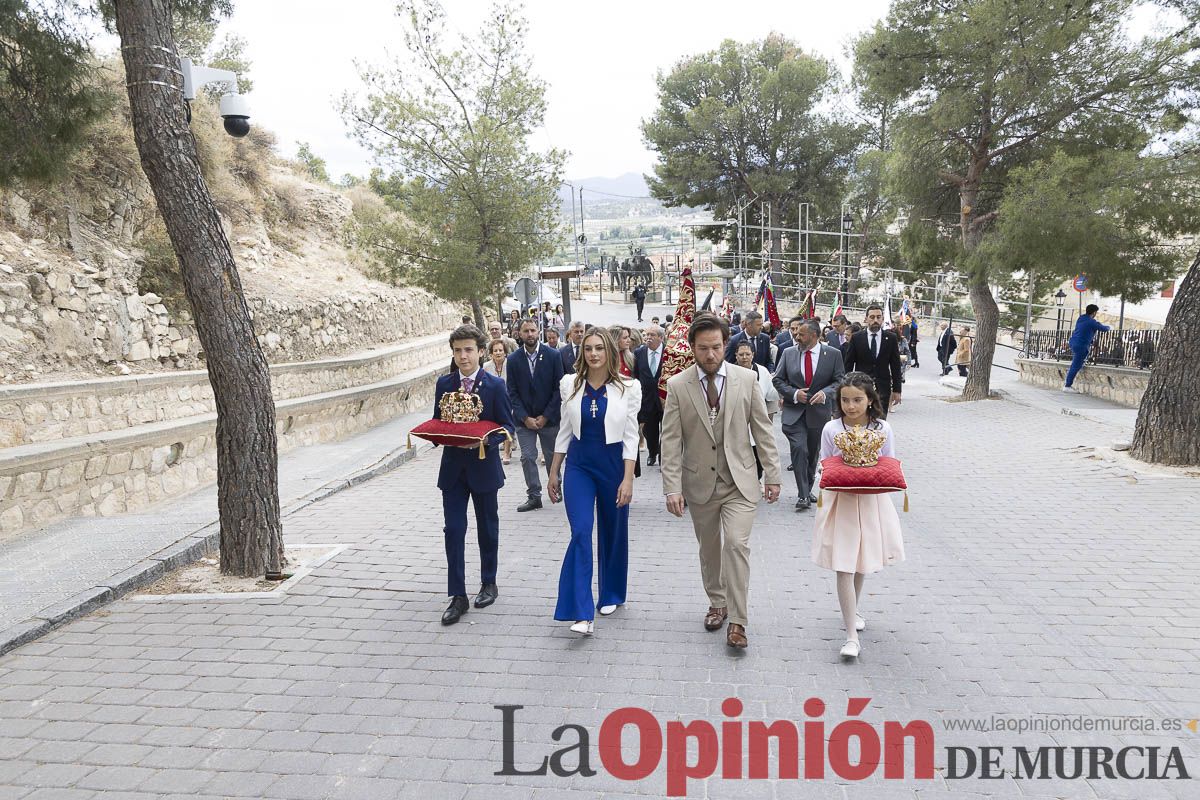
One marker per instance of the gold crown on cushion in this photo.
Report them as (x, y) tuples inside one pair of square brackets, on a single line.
[(860, 446), (460, 406)]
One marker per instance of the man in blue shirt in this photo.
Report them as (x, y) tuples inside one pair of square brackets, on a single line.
[(1086, 328)]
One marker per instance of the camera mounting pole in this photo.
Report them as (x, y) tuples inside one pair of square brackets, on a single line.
[(195, 77)]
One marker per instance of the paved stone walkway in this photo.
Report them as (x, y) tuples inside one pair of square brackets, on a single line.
[(1039, 581), (42, 570)]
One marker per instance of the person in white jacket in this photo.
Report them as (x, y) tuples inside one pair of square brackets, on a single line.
[(598, 439)]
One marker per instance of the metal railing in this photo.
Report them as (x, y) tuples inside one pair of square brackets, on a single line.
[(1134, 349)]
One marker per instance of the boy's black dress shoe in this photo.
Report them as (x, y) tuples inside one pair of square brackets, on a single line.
[(530, 505), (458, 606), (487, 595)]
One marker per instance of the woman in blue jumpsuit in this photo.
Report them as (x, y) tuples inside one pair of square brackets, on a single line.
[(598, 437)]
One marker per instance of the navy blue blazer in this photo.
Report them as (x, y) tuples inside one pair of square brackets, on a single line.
[(762, 349), (568, 359), (537, 394), (463, 466)]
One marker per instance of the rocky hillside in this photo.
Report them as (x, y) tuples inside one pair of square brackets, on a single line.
[(89, 285)]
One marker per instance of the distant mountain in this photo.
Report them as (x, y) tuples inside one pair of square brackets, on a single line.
[(629, 185)]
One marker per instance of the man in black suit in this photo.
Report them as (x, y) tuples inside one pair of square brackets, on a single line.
[(877, 353), (639, 297), (571, 350), (534, 372), (946, 345), (787, 338), (807, 380), (648, 369), (752, 332)]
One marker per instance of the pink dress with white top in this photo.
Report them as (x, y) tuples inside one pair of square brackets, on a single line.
[(856, 532)]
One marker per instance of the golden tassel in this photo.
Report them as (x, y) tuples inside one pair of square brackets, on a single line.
[(483, 448), (820, 498), (905, 501)]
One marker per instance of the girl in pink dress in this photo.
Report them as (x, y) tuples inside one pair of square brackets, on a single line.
[(856, 533)]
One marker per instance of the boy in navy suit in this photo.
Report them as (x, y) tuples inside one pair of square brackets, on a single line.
[(465, 476)]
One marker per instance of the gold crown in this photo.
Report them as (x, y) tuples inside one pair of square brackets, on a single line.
[(860, 446), (460, 406)]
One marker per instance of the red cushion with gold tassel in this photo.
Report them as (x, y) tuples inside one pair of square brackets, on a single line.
[(459, 424)]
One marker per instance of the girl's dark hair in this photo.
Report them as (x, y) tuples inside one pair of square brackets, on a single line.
[(865, 383)]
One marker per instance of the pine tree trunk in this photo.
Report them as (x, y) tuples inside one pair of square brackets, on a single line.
[(987, 322), (247, 466), (1168, 422)]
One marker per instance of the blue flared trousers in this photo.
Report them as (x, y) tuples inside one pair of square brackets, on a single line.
[(593, 472)]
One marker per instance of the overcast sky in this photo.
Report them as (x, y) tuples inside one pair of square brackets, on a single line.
[(599, 59)]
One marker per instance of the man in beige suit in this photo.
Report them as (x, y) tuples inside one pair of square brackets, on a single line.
[(708, 463)]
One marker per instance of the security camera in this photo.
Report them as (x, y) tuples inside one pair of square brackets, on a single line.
[(236, 113)]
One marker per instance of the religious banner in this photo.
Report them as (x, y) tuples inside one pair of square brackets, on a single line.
[(677, 353)]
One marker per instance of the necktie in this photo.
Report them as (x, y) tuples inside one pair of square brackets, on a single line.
[(874, 346), (808, 367), (653, 361), (467, 383), (714, 398)]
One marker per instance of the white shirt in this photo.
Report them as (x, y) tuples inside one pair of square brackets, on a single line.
[(816, 356)]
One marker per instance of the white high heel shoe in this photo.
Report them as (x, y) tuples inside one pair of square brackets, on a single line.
[(606, 610), (584, 627)]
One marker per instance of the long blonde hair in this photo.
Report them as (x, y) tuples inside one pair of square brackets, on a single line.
[(610, 350), (616, 331)]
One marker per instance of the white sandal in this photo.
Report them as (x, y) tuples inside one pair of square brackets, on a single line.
[(606, 610), (851, 649), (584, 627)]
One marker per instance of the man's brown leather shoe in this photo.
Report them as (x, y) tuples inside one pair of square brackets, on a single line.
[(715, 618), (736, 636)]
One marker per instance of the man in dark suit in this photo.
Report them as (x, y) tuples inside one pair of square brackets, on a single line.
[(946, 345), (806, 379), (639, 297), (534, 371), (648, 369), (465, 476), (877, 353), (788, 338), (840, 332), (752, 332), (573, 347)]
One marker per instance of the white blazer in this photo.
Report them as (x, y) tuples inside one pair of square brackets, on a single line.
[(620, 420)]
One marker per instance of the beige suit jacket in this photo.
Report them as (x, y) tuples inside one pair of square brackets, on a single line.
[(689, 457)]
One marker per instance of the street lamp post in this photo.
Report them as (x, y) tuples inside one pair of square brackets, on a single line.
[(847, 226), (1059, 297)]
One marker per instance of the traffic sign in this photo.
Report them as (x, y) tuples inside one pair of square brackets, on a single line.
[(1080, 283)]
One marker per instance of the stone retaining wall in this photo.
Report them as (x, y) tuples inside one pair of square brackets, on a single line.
[(35, 413), (114, 472), (1116, 384)]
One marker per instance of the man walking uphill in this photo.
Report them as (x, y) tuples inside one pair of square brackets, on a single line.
[(534, 371), (1086, 328)]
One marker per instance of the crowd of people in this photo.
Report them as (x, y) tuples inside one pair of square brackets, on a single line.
[(591, 398)]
